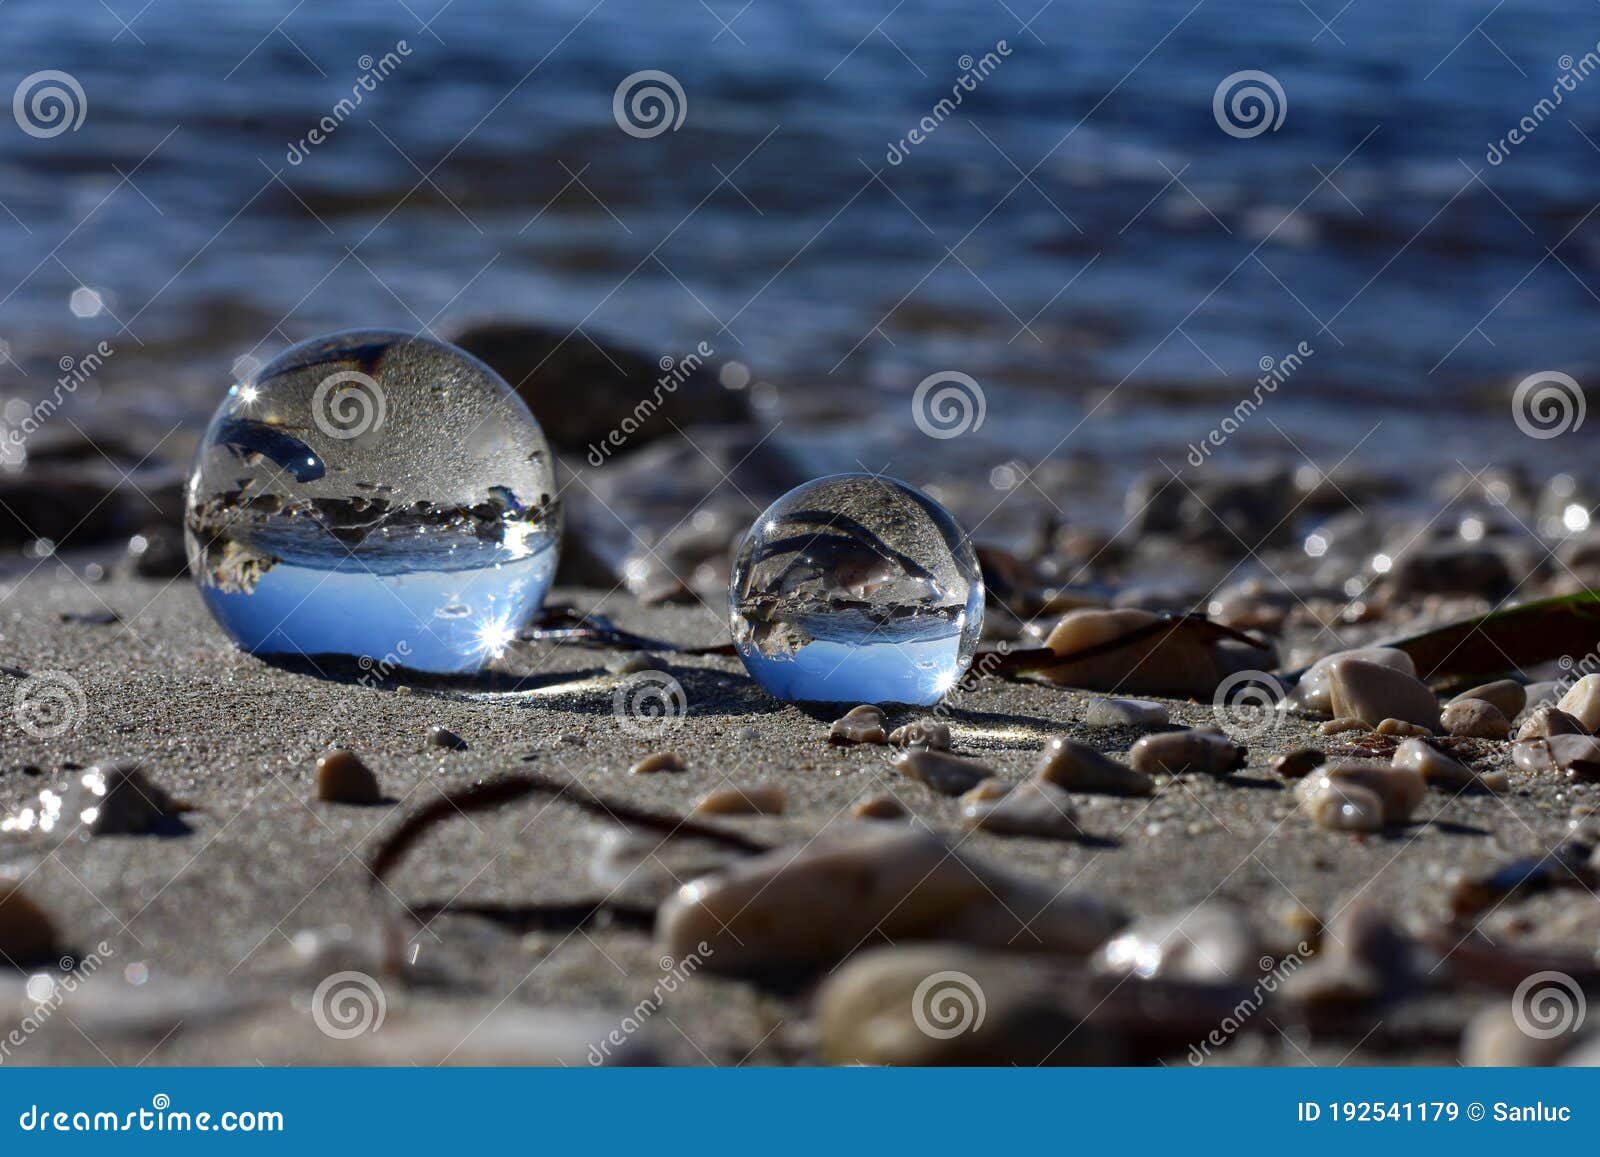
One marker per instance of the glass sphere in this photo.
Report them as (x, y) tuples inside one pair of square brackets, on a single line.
[(374, 495), (856, 589)]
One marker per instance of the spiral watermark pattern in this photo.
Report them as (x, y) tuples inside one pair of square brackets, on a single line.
[(348, 404), (49, 704), (948, 1004), (1548, 1004), (1249, 103), (1548, 404), (1246, 704), (348, 1004), (948, 404), (649, 103), (649, 704), (47, 104)]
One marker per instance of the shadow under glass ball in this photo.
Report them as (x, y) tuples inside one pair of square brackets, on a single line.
[(856, 589), (375, 495)]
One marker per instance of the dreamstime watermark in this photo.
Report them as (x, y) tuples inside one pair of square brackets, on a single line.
[(649, 704), (49, 704), (973, 73), (1248, 704), (348, 1004), (47, 993), (1249, 103), (74, 373), (49, 103), (1274, 372), (673, 374), (673, 973), (1273, 974), (947, 1004), (948, 404), (649, 103), (1548, 404), (348, 404), (373, 73), (1573, 73), (1549, 1004)]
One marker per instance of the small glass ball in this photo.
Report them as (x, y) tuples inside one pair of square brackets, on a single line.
[(378, 496), (856, 589)]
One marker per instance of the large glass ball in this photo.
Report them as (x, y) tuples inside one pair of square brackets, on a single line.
[(856, 589), (378, 496)]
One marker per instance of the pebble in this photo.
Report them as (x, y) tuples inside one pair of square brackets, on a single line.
[(1547, 720), (1343, 807), (863, 724), (1442, 771), (1363, 959), (27, 935), (636, 663), (1341, 725), (1548, 692), (1192, 750), (879, 806), (1576, 755), (1031, 808), (1125, 713), (1299, 763), (658, 761), (1074, 766), (1475, 719), (813, 903), (1582, 702), (757, 800), (927, 733), (990, 789), (1336, 795), (1314, 695), (1372, 692), (1401, 728), (944, 773), (1166, 662), (1208, 944), (118, 798), (343, 778), (443, 737), (1508, 696)]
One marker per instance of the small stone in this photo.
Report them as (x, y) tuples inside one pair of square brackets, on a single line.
[(1398, 789), (1475, 719), (1209, 944), (1074, 766), (1372, 693), (863, 724), (1402, 728), (1031, 808), (1314, 695), (1509, 696), (443, 737), (1343, 807), (944, 773), (1577, 755), (657, 762), (879, 806), (118, 798), (1341, 725), (1193, 750), (636, 663), (27, 935), (1438, 769), (757, 800), (1546, 693), (1160, 662), (1299, 763), (1124, 713), (1583, 702), (1547, 720), (343, 778), (1364, 958), (927, 733), (990, 789)]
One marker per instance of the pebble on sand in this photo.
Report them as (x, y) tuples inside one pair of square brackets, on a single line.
[(1211, 943), (879, 806), (1076, 766), (1343, 724), (1399, 727), (929, 733), (863, 724), (1578, 756), (1547, 720), (1165, 662), (343, 778), (1299, 763), (1372, 692), (1475, 719), (27, 935), (762, 799), (1314, 694), (811, 904), (944, 773), (443, 737), (1031, 808), (1341, 795), (1443, 771), (1582, 702), (1125, 713), (1198, 749), (658, 761), (118, 798), (1508, 696)]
